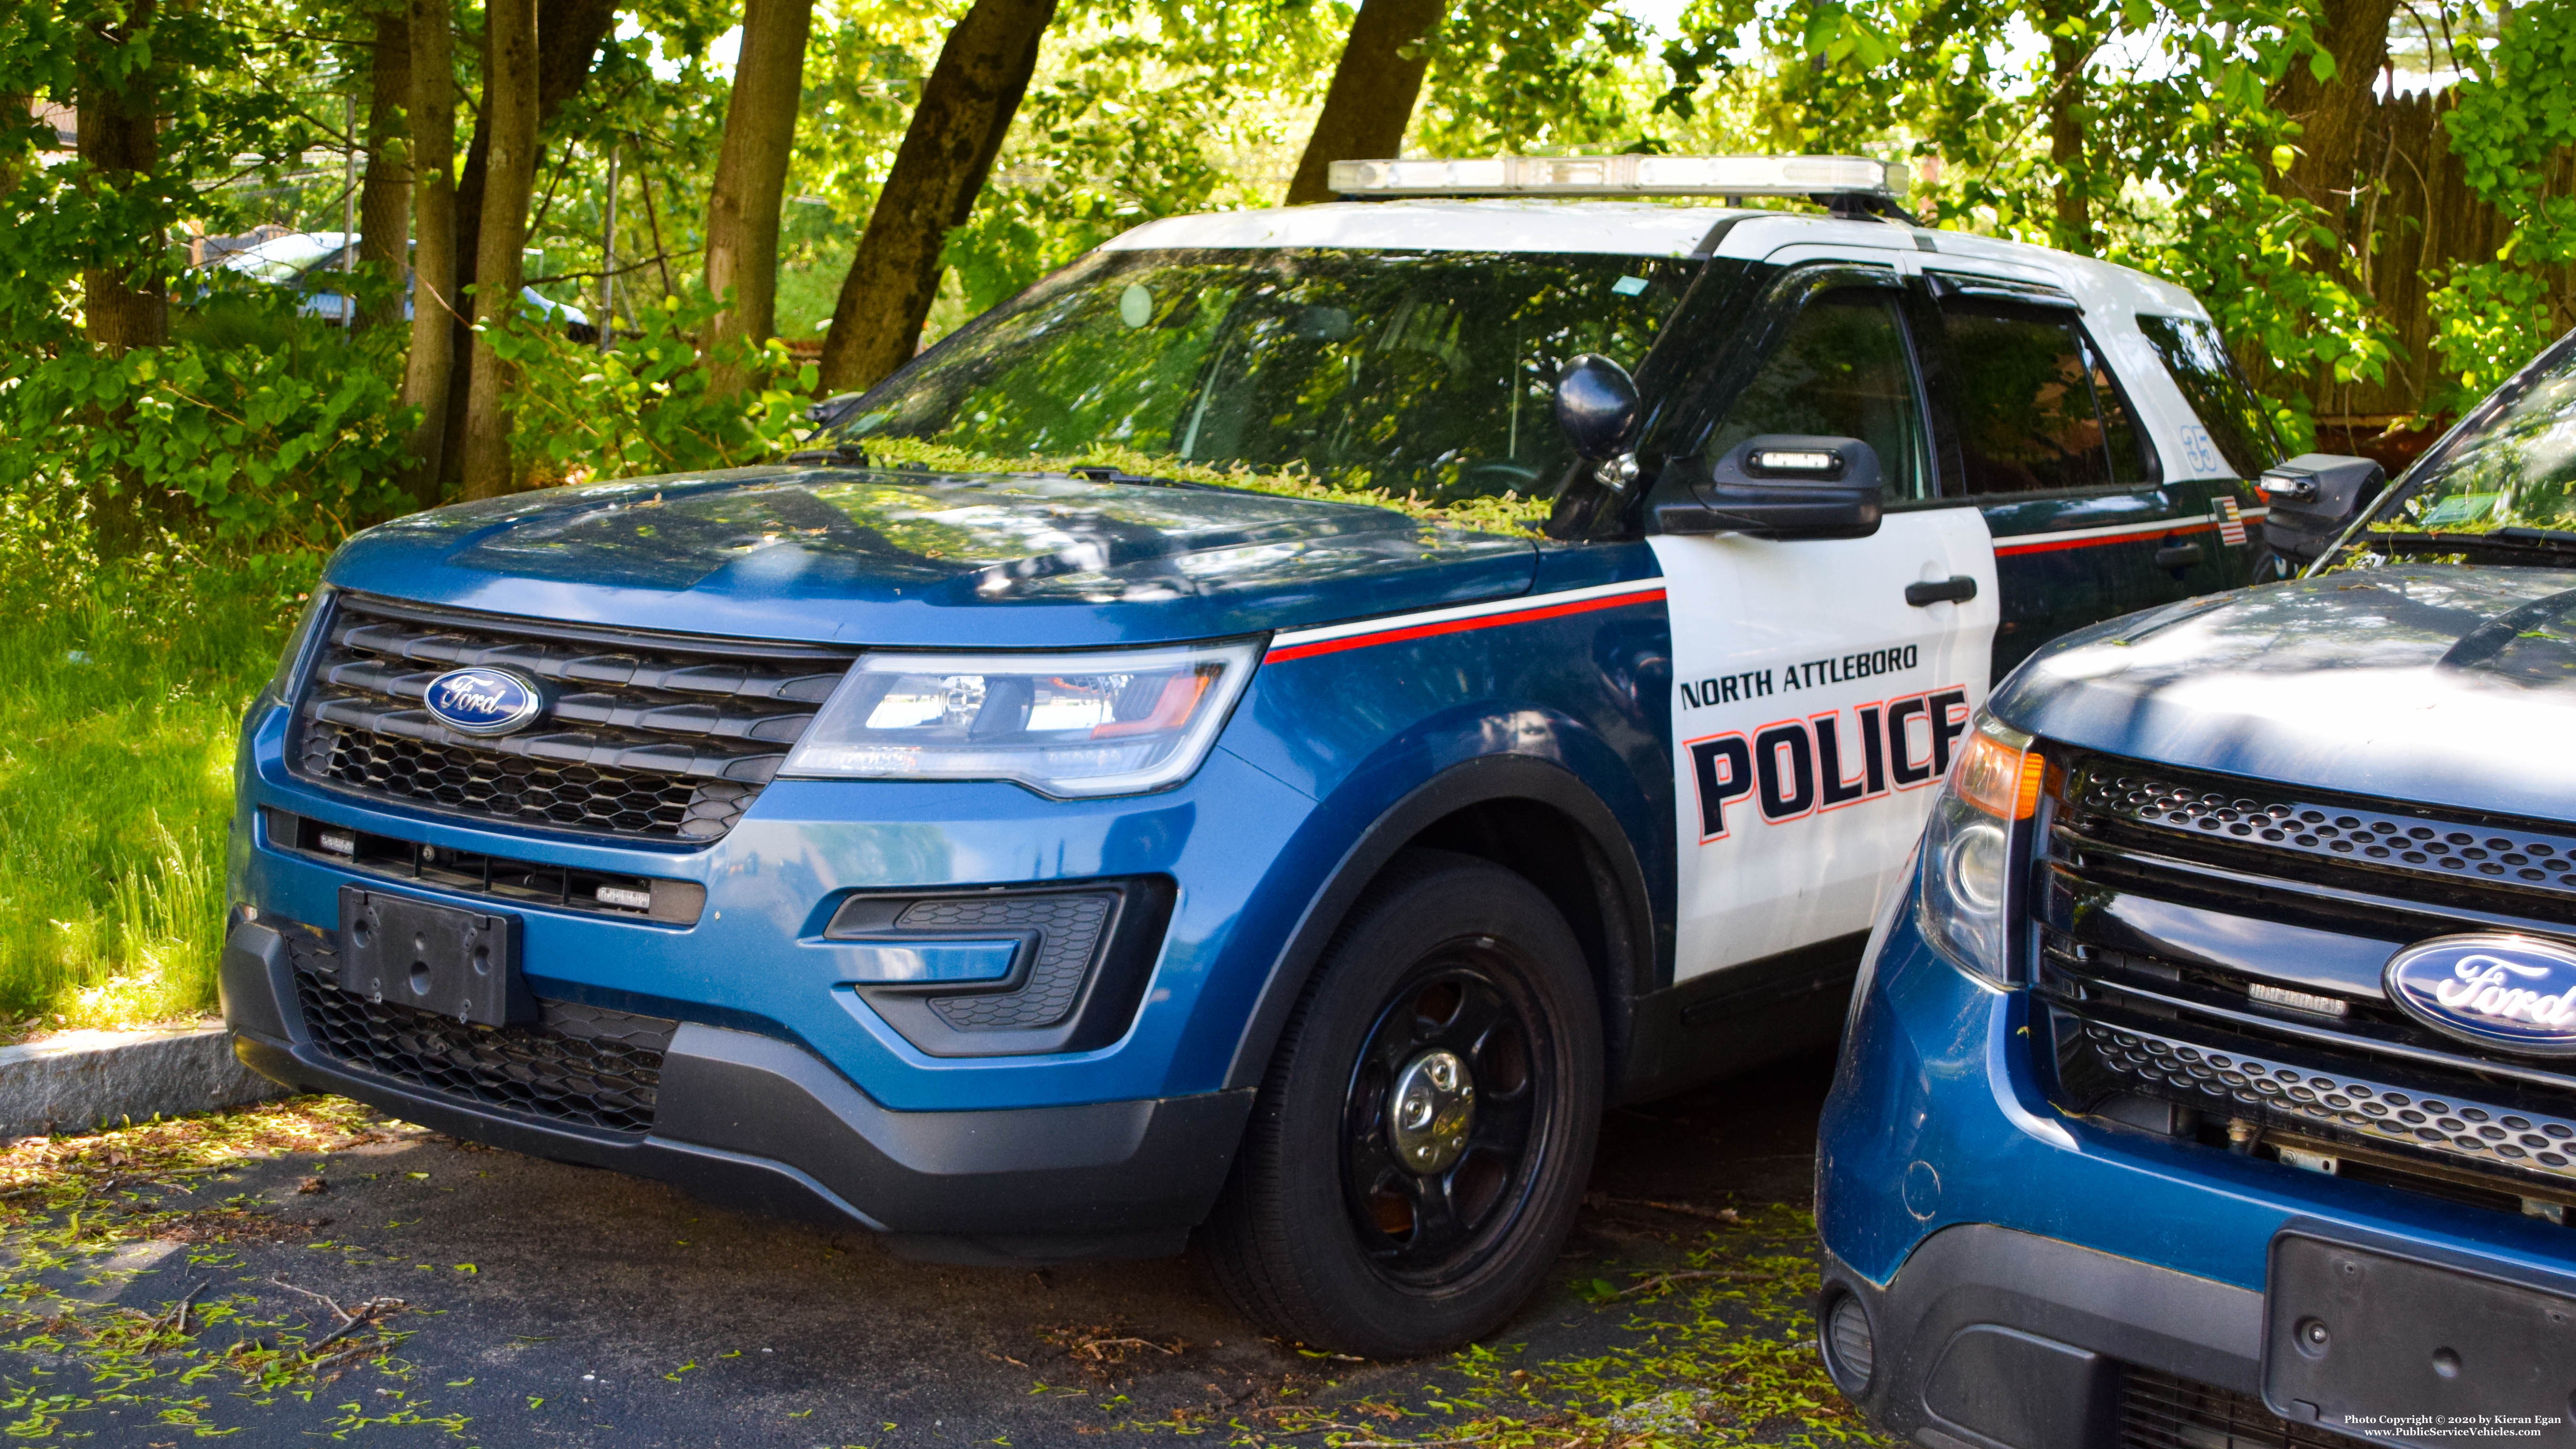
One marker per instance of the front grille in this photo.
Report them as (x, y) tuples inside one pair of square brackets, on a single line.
[(2159, 1411), (2340, 1102), (2325, 1066), (658, 736), (583, 1065), (2445, 861)]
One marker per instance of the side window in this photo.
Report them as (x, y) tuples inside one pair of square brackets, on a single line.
[(1843, 370), (2037, 408), (2210, 381)]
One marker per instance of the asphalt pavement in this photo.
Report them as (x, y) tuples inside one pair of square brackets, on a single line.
[(400, 1287)]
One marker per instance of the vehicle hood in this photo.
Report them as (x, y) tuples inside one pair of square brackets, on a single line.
[(905, 557), (2447, 685)]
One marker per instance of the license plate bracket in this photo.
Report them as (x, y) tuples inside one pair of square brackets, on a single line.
[(2408, 1350), (436, 958)]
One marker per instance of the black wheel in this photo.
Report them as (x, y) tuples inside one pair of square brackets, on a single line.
[(1422, 1138)]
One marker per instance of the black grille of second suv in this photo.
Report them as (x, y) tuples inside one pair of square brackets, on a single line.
[(2294, 1044), (657, 736)]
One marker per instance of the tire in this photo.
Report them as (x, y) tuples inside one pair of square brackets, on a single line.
[(1349, 1224)]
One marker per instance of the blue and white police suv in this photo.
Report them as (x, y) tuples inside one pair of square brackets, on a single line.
[(1045, 862)]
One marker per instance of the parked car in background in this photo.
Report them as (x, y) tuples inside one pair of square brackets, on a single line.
[(313, 263), (1044, 864), (2212, 1075)]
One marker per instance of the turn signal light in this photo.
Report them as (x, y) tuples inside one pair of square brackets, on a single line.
[(1999, 773)]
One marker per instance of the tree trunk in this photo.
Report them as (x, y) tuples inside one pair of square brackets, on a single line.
[(2333, 113), (2326, 171), (13, 162), (427, 372), (1370, 100), (569, 34), (384, 202), (2067, 54), (751, 170), (510, 119), (956, 131), (121, 144)]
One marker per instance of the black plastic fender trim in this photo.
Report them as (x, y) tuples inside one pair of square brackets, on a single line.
[(1628, 922)]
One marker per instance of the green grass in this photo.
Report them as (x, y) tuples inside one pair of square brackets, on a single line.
[(124, 687)]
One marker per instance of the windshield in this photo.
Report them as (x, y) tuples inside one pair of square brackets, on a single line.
[(2514, 468), (1423, 373)]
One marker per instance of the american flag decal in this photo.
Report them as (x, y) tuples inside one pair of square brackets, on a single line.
[(2231, 524)]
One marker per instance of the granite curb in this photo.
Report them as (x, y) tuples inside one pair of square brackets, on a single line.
[(82, 1080)]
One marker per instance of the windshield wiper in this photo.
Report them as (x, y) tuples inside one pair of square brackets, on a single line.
[(1102, 474), (2511, 542), (840, 455)]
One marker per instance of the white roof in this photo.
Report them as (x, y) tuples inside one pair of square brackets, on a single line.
[(279, 258), (1619, 228), (1643, 229)]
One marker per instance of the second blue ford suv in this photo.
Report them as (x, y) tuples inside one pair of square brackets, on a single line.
[(1049, 863), (2213, 1077)]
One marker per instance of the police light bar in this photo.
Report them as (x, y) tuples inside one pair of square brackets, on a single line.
[(1623, 176)]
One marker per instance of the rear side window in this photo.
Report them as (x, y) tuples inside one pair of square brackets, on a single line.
[(2037, 407), (1842, 371), (2216, 389)]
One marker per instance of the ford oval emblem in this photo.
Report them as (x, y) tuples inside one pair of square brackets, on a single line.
[(2495, 989), (483, 701)]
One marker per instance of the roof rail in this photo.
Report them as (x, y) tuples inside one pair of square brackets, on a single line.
[(1857, 178)]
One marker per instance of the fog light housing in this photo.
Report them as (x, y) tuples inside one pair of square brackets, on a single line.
[(1849, 1345)]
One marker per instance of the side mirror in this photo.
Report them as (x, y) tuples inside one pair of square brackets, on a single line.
[(2312, 497), (1596, 407), (1782, 485)]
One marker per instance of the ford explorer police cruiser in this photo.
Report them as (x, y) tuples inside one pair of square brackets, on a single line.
[(1036, 865), (2213, 1080)]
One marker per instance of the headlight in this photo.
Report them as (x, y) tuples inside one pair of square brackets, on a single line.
[(1967, 849), (1110, 723)]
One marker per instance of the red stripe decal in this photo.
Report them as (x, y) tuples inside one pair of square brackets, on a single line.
[(2045, 544), (1456, 626)]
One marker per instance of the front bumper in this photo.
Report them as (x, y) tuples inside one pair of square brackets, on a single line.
[(750, 1120), (2028, 1276)]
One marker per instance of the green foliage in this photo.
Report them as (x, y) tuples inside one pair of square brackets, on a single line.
[(289, 436), (1142, 109), (2183, 141), (1104, 152), (2514, 123), (116, 771), (213, 71), (1538, 76), (642, 406)]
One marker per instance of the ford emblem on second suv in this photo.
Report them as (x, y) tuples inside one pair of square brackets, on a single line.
[(2512, 991), (483, 701)]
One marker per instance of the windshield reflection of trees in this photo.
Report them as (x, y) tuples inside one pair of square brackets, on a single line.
[(1430, 374), (2520, 471)]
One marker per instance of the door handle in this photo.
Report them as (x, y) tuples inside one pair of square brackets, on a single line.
[(2179, 556), (1956, 589)]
